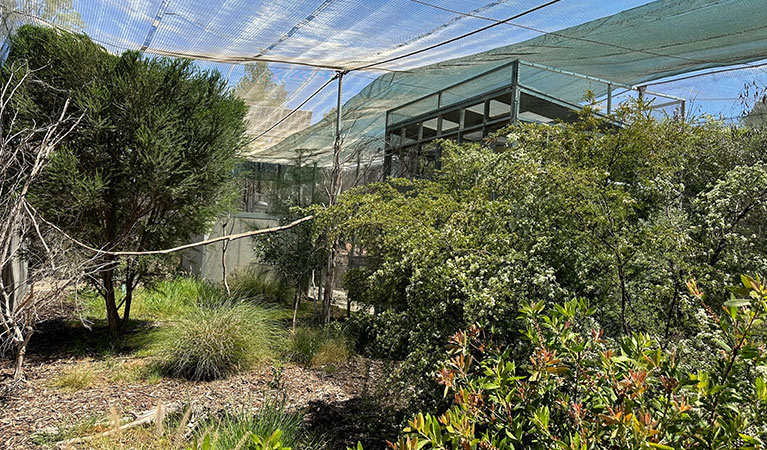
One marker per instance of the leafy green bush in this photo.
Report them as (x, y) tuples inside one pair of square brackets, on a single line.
[(318, 347), (213, 342), (154, 152), (580, 390), (619, 216)]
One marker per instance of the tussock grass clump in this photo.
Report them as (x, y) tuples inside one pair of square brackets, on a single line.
[(74, 379), (207, 343), (332, 352), (318, 347), (119, 371), (239, 427), (261, 285)]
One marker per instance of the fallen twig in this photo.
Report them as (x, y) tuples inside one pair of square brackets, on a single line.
[(147, 417)]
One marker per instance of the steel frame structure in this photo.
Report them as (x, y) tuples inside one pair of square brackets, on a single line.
[(412, 128)]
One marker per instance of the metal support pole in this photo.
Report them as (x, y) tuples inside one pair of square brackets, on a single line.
[(335, 187), (515, 96), (609, 98), (298, 179), (314, 180), (336, 179)]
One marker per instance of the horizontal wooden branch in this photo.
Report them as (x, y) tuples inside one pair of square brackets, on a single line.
[(230, 237)]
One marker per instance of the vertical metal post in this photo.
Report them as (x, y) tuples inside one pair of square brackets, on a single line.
[(298, 179), (335, 187), (609, 99), (515, 92), (314, 180), (388, 148), (336, 173)]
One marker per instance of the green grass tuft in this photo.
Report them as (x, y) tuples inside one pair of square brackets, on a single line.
[(239, 426), (214, 342), (261, 285), (318, 347), (74, 379), (165, 300)]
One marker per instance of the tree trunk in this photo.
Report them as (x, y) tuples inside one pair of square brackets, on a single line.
[(21, 351), (327, 301), (113, 316), (296, 301), (319, 294), (129, 288), (625, 299), (224, 246)]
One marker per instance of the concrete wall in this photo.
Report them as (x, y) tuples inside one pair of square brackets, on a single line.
[(205, 262)]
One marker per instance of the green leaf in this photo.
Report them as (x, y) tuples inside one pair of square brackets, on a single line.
[(661, 446), (737, 302)]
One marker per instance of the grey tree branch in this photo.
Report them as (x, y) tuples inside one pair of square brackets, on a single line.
[(230, 237)]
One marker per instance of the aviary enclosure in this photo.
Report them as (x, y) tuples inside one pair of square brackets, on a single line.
[(404, 224)]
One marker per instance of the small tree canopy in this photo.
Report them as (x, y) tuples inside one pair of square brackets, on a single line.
[(151, 163), (257, 86)]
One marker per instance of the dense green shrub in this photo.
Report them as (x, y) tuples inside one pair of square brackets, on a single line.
[(579, 389), (620, 216), (213, 342), (150, 163)]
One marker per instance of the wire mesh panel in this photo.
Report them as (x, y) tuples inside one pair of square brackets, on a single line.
[(400, 50)]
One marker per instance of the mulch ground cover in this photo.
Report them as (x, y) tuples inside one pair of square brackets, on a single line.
[(337, 401)]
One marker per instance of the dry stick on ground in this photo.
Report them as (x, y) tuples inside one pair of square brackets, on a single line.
[(157, 414)]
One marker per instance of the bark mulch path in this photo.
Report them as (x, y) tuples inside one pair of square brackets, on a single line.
[(37, 406)]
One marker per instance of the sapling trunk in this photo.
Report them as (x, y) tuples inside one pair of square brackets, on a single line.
[(113, 315), (327, 301), (21, 351), (296, 301)]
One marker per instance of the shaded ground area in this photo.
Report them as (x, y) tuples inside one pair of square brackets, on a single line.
[(355, 419), (337, 401)]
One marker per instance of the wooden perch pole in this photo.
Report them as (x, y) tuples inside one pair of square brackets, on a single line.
[(230, 237)]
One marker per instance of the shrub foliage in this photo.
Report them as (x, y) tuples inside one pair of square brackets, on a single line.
[(151, 162), (620, 216), (581, 390)]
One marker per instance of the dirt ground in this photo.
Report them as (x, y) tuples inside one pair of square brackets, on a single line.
[(38, 407), (337, 402)]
